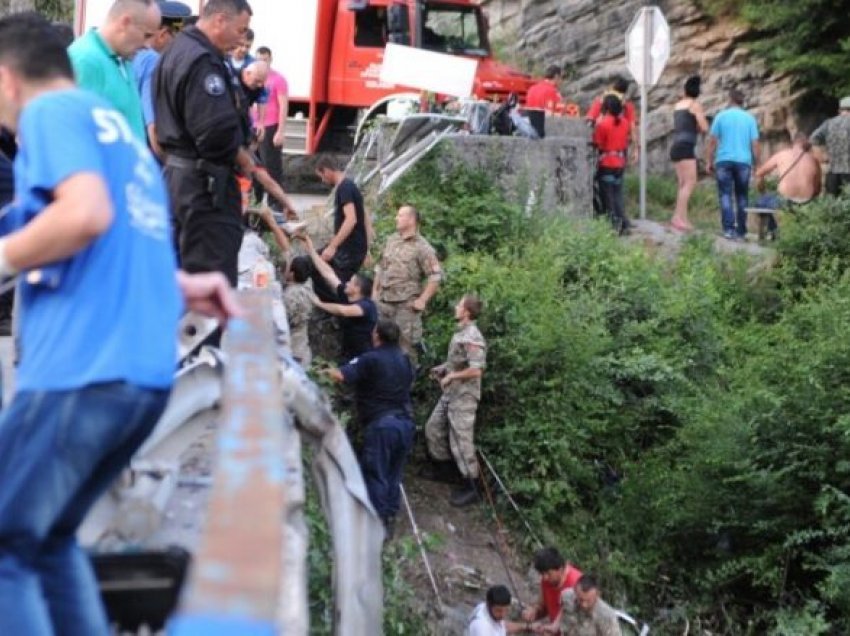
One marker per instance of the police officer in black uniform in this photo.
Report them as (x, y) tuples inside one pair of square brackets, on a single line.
[(199, 127)]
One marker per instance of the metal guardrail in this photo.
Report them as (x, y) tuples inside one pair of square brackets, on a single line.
[(235, 585)]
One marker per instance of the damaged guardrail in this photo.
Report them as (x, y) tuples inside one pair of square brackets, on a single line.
[(249, 567)]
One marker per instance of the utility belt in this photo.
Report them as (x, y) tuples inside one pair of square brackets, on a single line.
[(399, 414), (404, 301), (218, 175)]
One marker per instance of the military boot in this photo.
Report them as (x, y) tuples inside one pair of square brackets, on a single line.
[(444, 472), (466, 495)]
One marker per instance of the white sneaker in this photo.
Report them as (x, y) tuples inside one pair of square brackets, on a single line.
[(294, 227)]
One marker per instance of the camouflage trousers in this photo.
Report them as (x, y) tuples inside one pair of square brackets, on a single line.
[(409, 323), (449, 432)]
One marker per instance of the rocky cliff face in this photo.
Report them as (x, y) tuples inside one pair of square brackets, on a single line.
[(588, 36)]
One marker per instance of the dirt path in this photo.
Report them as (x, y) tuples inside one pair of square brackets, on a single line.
[(463, 554)]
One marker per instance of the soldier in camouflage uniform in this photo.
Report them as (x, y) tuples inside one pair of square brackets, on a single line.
[(449, 430), (583, 613), (406, 278), (835, 135), (299, 306)]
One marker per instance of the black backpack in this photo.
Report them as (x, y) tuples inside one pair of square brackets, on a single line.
[(500, 120)]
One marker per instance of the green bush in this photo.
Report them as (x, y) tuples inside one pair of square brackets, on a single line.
[(681, 427), (808, 39), (400, 614)]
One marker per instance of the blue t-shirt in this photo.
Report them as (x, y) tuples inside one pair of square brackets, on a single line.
[(144, 64), (108, 313), (382, 379), (735, 130)]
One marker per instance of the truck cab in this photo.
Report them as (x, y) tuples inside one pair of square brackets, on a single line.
[(453, 27), (347, 70)]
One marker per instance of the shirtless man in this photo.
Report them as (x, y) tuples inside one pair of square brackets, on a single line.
[(799, 175)]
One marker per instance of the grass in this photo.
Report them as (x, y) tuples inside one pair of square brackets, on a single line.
[(703, 209)]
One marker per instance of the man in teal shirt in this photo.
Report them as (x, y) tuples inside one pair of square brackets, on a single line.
[(101, 57), (731, 152)]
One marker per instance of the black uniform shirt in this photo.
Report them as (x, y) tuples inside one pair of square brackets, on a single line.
[(353, 248), (382, 379), (197, 109)]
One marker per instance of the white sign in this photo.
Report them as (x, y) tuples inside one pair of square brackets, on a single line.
[(428, 71), (647, 46)]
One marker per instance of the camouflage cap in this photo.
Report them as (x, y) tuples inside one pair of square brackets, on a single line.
[(844, 104)]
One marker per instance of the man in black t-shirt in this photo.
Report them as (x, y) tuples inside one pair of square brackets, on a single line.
[(349, 245)]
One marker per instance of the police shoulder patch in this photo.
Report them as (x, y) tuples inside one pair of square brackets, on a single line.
[(214, 85)]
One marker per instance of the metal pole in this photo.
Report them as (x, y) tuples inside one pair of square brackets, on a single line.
[(421, 547), (510, 499), (647, 73)]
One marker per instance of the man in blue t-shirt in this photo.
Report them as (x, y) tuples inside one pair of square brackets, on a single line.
[(144, 62), (734, 137), (89, 233), (382, 379)]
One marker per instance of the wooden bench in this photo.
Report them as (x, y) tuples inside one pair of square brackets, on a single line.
[(763, 215)]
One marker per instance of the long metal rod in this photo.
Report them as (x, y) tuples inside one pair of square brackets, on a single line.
[(500, 541), (507, 494), (421, 547), (647, 72)]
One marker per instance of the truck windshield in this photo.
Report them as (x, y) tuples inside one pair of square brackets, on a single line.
[(456, 29)]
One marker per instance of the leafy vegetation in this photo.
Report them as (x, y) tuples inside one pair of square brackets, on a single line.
[(681, 428), (400, 617), (56, 9)]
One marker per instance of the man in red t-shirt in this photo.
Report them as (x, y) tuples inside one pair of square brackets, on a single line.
[(556, 575), (543, 96)]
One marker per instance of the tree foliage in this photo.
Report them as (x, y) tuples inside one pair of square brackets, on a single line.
[(809, 38), (681, 427)]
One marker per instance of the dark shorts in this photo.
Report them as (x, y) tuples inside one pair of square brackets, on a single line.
[(682, 151)]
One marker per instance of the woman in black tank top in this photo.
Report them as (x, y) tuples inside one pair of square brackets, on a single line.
[(688, 122)]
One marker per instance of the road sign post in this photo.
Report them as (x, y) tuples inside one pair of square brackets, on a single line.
[(647, 52)]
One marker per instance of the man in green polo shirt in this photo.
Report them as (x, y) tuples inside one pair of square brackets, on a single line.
[(101, 57)]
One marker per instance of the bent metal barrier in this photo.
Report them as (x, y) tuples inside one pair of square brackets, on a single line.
[(249, 575), (235, 583)]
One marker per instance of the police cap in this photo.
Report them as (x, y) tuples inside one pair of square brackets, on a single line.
[(173, 12)]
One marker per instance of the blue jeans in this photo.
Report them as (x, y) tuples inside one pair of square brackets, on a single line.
[(611, 190), (773, 202), (386, 446), (59, 451), (733, 181)]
